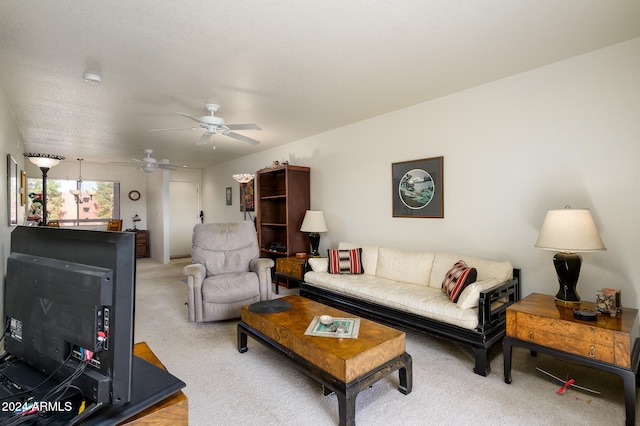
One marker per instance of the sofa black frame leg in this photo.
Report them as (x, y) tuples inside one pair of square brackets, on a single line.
[(482, 366)]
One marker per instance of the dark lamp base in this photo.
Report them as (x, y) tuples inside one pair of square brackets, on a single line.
[(568, 269), (314, 239)]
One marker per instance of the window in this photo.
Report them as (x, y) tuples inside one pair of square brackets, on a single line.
[(98, 208)]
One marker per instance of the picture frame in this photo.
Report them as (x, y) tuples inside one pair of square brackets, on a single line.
[(229, 198), (247, 200), (417, 188), (12, 190), (23, 188)]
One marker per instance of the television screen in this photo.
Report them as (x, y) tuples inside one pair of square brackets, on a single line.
[(69, 307)]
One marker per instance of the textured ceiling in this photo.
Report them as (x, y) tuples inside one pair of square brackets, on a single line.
[(294, 67)]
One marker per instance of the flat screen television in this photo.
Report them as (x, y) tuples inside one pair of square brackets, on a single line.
[(69, 303)]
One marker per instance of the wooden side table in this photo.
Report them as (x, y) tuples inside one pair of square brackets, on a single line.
[(610, 344), (290, 269)]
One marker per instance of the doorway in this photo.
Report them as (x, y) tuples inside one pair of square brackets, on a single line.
[(184, 214)]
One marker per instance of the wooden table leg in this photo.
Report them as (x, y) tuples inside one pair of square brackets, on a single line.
[(242, 339), (629, 384), (405, 374), (506, 354), (346, 407)]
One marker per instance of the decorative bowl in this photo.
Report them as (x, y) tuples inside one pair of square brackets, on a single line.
[(326, 319)]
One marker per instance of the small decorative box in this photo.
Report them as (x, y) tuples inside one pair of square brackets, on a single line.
[(608, 301)]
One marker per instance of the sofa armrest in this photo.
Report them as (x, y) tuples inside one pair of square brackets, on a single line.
[(493, 303), (196, 273), (262, 266), (317, 264)]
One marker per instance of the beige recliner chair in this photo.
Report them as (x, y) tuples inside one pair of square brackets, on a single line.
[(226, 272)]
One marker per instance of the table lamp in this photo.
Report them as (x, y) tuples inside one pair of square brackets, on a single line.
[(136, 219), (314, 223), (569, 231)]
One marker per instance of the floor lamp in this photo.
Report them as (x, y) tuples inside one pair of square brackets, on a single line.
[(44, 162), (243, 179)]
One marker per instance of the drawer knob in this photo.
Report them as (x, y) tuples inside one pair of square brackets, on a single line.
[(531, 335), (592, 351)]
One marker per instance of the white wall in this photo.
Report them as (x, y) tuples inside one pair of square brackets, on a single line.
[(564, 134), (11, 143)]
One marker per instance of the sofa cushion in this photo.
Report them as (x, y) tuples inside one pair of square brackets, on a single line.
[(369, 255), (416, 299), (404, 265), (345, 261), (457, 278), (470, 296), (502, 271)]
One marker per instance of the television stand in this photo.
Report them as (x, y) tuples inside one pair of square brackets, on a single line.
[(156, 395)]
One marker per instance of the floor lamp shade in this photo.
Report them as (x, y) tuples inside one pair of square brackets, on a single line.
[(44, 162), (314, 223), (568, 232)]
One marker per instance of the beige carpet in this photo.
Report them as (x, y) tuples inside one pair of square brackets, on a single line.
[(225, 387)]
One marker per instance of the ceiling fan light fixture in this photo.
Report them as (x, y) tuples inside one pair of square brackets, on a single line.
[(148, 167), (92, 78)]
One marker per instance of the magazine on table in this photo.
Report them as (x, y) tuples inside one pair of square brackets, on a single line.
[(341, 328)]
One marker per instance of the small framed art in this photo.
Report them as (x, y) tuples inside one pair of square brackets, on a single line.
[(13, 190), (229, 199), (417, 188)]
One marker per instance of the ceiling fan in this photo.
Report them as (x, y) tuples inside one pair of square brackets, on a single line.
[(149, 164), (212, 125)]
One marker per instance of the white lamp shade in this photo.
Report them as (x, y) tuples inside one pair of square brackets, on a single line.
[(243, 177), (569, 230), (314, 222), (44, 160)]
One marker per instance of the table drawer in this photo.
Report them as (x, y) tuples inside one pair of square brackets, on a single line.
[(576, 338), (291, 266), (585, 348)]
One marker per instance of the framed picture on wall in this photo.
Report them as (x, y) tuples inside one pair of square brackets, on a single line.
[(247, 203), (12, 190), (417, 188), (229, 199), (23, 188)]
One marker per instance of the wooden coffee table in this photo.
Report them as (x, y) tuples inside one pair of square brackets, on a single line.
[(345, 366)]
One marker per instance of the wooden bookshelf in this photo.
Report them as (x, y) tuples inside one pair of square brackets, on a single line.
[(282, 198)]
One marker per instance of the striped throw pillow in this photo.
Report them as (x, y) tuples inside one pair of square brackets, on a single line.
[(345, 261), (458, 277)]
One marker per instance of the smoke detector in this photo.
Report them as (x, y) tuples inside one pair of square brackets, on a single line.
[(92, 78)]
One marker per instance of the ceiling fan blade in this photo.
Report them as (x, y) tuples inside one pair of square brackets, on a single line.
[(170, 166), (242, 138), (243, 127), (174, 128), (204, 139), (184, 114), (122, 163)]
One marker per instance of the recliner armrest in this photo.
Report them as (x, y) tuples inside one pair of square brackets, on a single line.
[(197, 271), (262, 266), (196, 274), (261, 263)]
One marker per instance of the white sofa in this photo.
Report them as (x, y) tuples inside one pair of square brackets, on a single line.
[(403, 288)]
